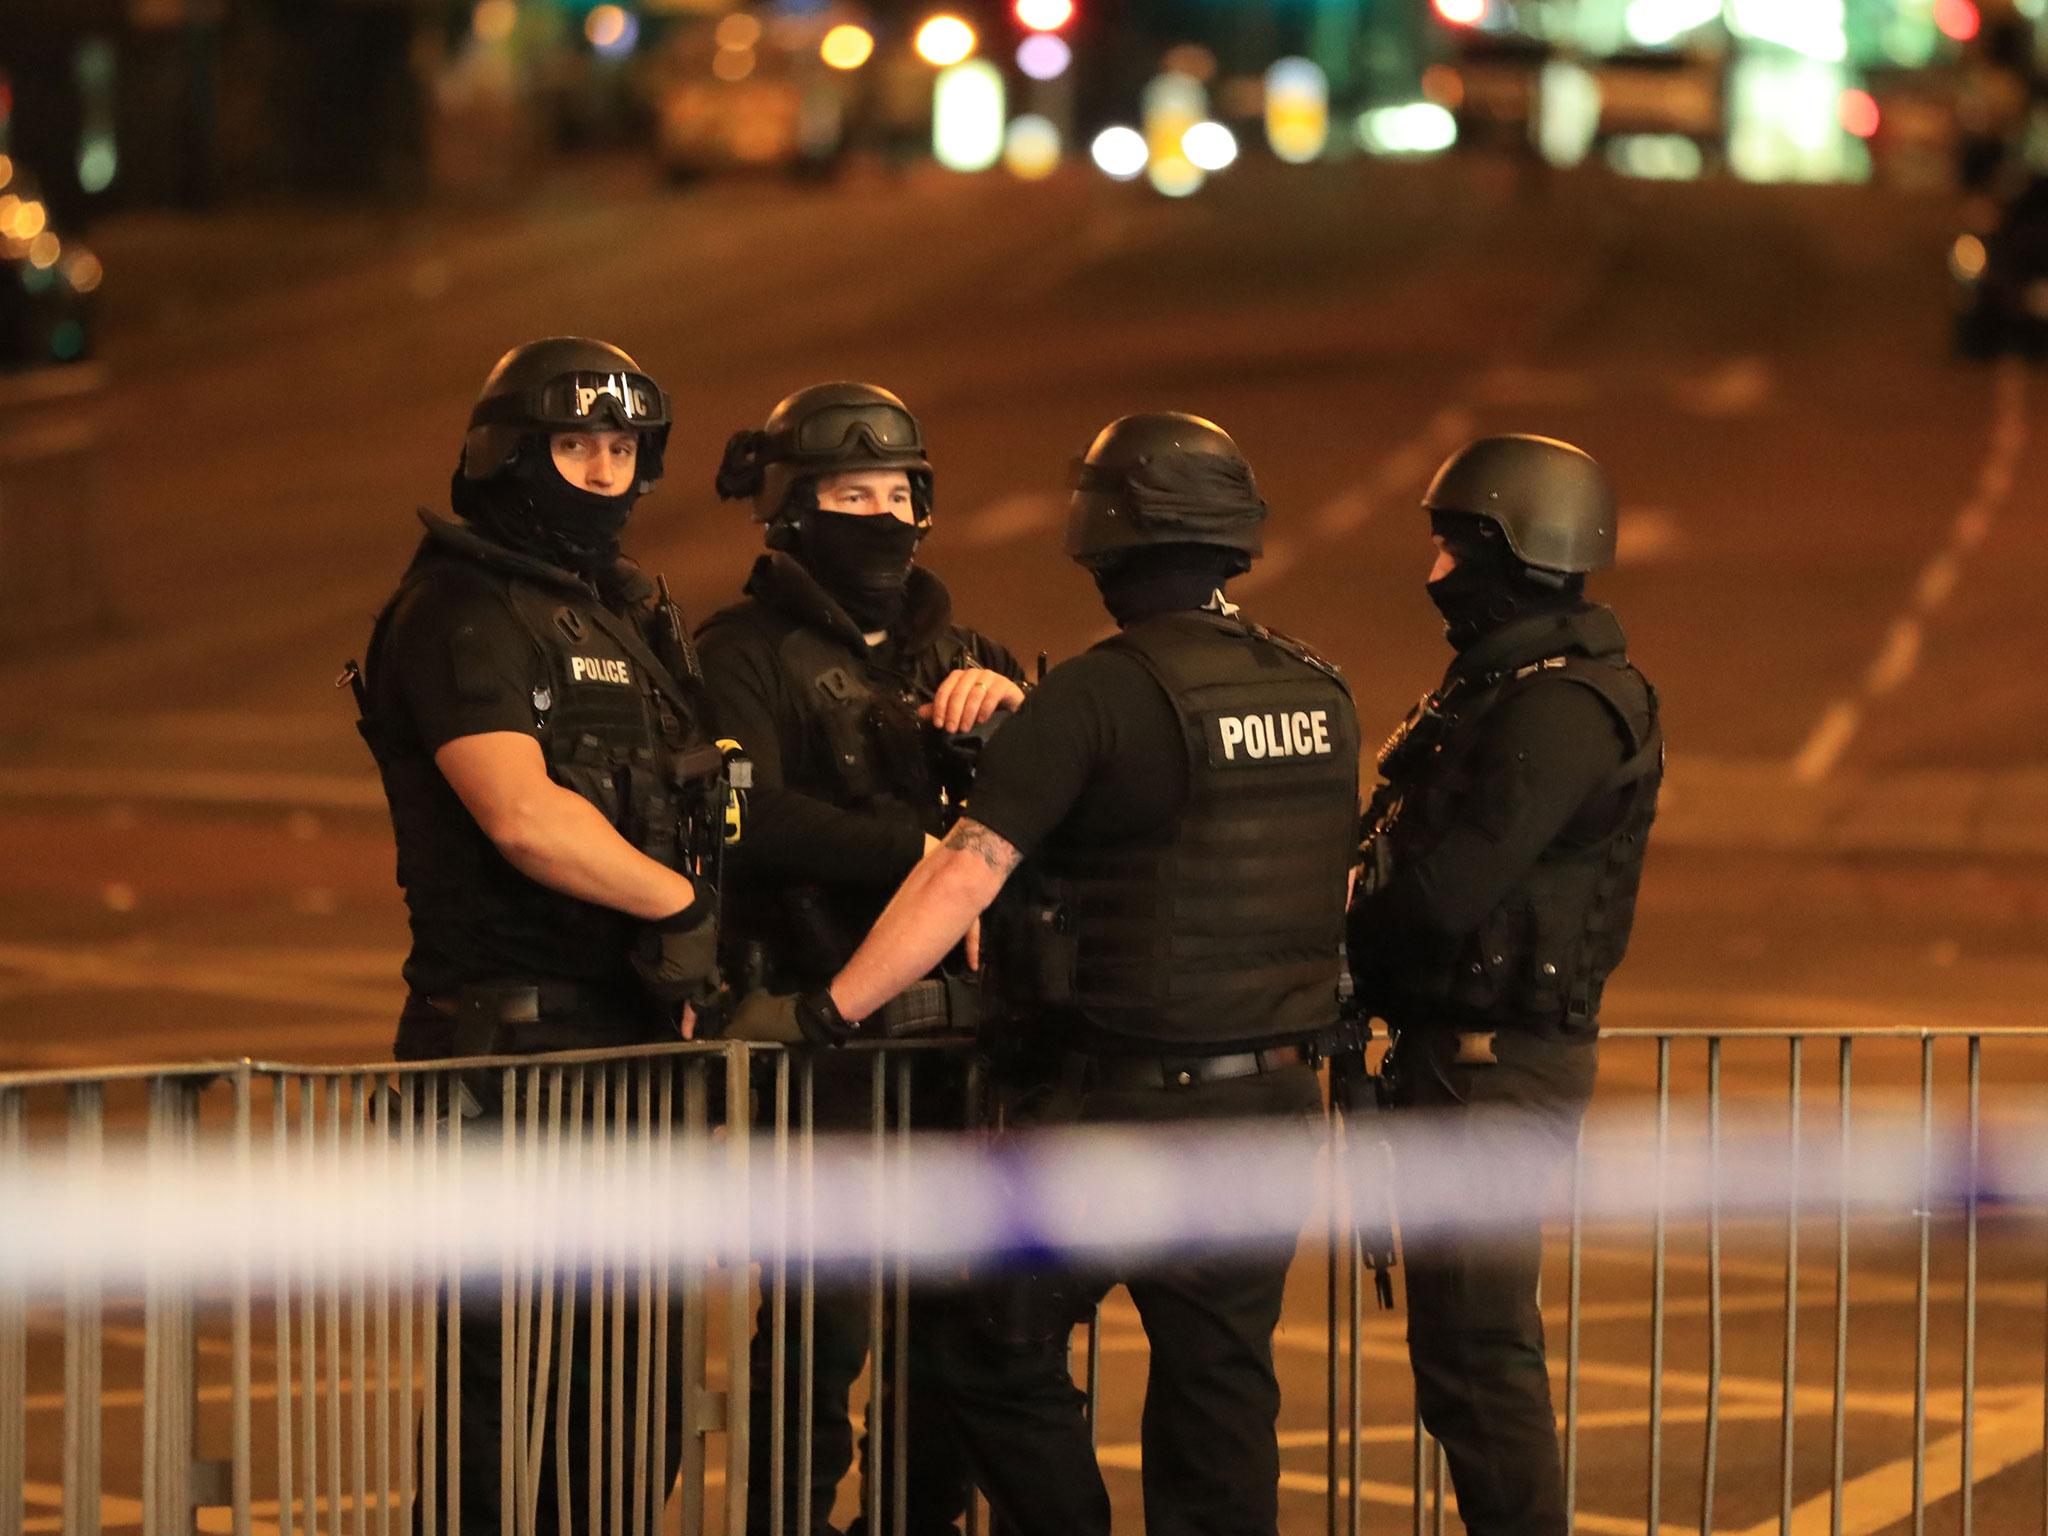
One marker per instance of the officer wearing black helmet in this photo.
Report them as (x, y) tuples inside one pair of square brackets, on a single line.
[(1129, 787), (843, 677), (1502, 855), (554, 790)]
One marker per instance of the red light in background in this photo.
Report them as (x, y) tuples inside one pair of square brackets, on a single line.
[(1462, 13), (1959, 20), (1859, 113)]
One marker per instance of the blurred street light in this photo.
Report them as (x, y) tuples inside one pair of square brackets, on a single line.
[(1209, 146), (611, 29), (945, 40), (1031, 148), (1860, 114), (847, 46), (733, 64), (1462, 13), (1959, 20), (967, 116), (1120, 152), (1043, 15), (1042, 56), (1297, 110), (738, 30)]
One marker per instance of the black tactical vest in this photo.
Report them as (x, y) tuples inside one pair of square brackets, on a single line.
[(871, 744), (616, 725), (1226, 927), (1545, 953)]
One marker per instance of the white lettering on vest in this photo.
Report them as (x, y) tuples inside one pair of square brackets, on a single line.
[(600, 669), (1285, 733)]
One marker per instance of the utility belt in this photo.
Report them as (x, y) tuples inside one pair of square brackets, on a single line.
[(941, 1005), (1095, 1069), (521, 1018)]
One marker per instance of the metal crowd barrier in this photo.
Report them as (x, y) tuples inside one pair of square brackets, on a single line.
[(282, 1403)]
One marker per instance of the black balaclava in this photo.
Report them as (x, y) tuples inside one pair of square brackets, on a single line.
[(530, 509), (1165, 578), (863, 562), (1489, 587)]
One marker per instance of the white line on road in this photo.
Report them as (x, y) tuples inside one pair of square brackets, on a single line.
[(1900, 653)]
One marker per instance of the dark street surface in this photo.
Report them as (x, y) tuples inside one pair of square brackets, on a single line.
[(1832, 559)]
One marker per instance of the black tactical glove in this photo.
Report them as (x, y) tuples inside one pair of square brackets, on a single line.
[(787, 1018), (677, 957)]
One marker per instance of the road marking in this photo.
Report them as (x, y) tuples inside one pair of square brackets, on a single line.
[(1896, 661), (1883, 1496), (324, 791), (1405, 467), (1647, 536), (75, 968), (1936, 583)]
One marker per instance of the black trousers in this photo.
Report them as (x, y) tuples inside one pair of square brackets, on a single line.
[(1475, 1334), (936, 1486), (608, 1356), (1212, 1400), (614, 1359)]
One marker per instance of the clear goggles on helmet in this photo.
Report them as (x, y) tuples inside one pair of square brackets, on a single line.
[(884, 431), (625, 401)]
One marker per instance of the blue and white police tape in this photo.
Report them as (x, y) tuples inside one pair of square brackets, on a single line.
[(295, 1210)]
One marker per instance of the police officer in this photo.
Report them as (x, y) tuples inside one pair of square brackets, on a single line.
[(1185, 795), (544, 751), (844, 678), (1502, 856)]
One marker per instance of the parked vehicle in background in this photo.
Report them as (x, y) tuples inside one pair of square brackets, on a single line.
[(749, 92), (1667, 93)]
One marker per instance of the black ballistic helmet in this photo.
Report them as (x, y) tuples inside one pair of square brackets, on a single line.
[(1163, 477), (826, 429), (564, 384), (1550, 501)]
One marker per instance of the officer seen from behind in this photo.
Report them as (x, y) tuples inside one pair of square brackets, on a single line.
[(555, 794), (844, 678), (1501, 861), (1182, 799)]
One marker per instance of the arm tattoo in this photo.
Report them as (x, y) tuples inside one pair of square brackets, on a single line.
[(994, 850)]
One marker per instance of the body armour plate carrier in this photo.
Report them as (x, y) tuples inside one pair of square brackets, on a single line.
[(1545, 953), (1227, 926), (614, 723), (869, 733)]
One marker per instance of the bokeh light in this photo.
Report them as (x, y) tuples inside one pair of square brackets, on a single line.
[(44, 250), (847, 46), (1462, 13), (1041, 56), (1044, 15), (739, 30), (945, 40), (28, 221), (612, 30), (1297, 110), (1120, 152), (1174, 176), (1959, 20), (733, 64), (83, 271), (967, 116), (1209, 146), (494, 20), (1031, 147), (1860, 114)]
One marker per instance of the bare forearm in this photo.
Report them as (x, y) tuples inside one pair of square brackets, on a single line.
[(930, 912), (563, 841)]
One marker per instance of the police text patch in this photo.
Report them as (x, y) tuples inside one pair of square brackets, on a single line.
[(599, 669), (1265, 736)]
